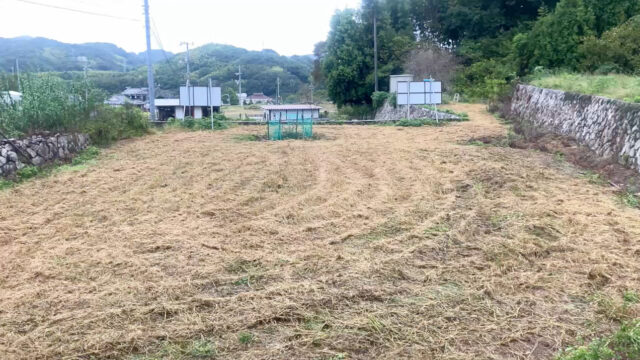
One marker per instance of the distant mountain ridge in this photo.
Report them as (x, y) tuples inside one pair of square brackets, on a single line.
[(106, 63), (37, 54)]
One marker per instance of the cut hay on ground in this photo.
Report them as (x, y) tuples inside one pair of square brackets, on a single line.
[(373, 243)]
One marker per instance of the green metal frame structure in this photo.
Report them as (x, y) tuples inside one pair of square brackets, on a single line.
[(281, 129)]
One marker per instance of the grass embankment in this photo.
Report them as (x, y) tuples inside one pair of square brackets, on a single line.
[(621, 87)]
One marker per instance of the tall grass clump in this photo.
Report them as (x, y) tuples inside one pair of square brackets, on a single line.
[(52, 104), (625, 344), (112, 124), (220, 122)]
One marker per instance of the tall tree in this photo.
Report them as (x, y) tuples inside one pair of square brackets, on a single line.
[(555, 38), (349, 58), (611, 13), (317, 74), (348, 61)]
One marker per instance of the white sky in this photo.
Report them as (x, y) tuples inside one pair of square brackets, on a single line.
[(290, 27)]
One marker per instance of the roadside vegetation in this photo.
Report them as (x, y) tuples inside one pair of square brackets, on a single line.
[(614, 86), (219, 122), (50, 104)]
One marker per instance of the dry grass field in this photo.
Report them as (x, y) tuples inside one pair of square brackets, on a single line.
[(370, 243)]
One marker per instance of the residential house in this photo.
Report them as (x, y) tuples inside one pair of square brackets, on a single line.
[(139, 94), (137, 97), (122, 100), (10, 97), (195, 101), (259, 98)]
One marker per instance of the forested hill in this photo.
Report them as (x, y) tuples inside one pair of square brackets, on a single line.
[(106, 63), (260, 69), (41, 54)]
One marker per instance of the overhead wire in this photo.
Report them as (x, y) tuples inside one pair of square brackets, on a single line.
[(156, 35), (78, 10)]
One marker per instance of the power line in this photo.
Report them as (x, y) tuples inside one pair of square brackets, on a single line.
[(156, 35), (77, 10)]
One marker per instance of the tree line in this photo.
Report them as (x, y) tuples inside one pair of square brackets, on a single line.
[(478, 47)]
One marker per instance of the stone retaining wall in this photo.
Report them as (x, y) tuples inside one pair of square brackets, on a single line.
[(39, 150), (389, 113), (610, 128)]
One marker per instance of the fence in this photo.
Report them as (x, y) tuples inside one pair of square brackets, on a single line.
[(280, 129)]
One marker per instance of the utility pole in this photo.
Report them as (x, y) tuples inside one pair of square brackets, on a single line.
[(18, 75), (312, 88), (85, 67), (150, 80), (210, 102), (278, 92), (375, 43), (240, 85), (188, 57)]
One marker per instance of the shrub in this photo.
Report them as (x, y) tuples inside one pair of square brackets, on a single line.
[(393, 100), (220, 122), (617, 51), (351, 112), (485, 80), (378, 99), (112, 124)]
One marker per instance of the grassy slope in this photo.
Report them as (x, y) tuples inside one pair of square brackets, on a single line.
[(621, 87)]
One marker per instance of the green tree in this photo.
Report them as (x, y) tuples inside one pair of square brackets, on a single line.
[(348, 61), (618, 49), (231, 96), (611, 13), (555, 38)]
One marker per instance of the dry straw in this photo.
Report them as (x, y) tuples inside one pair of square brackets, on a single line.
[(374, 242)]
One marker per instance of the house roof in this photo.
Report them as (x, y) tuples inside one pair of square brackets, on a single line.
[(122, 100), (291, 107), (259, 96), (135, 91), (167, 102), (10, 96)]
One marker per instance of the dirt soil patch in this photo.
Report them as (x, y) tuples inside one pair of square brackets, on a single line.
[(619, 175), (372, 243)]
